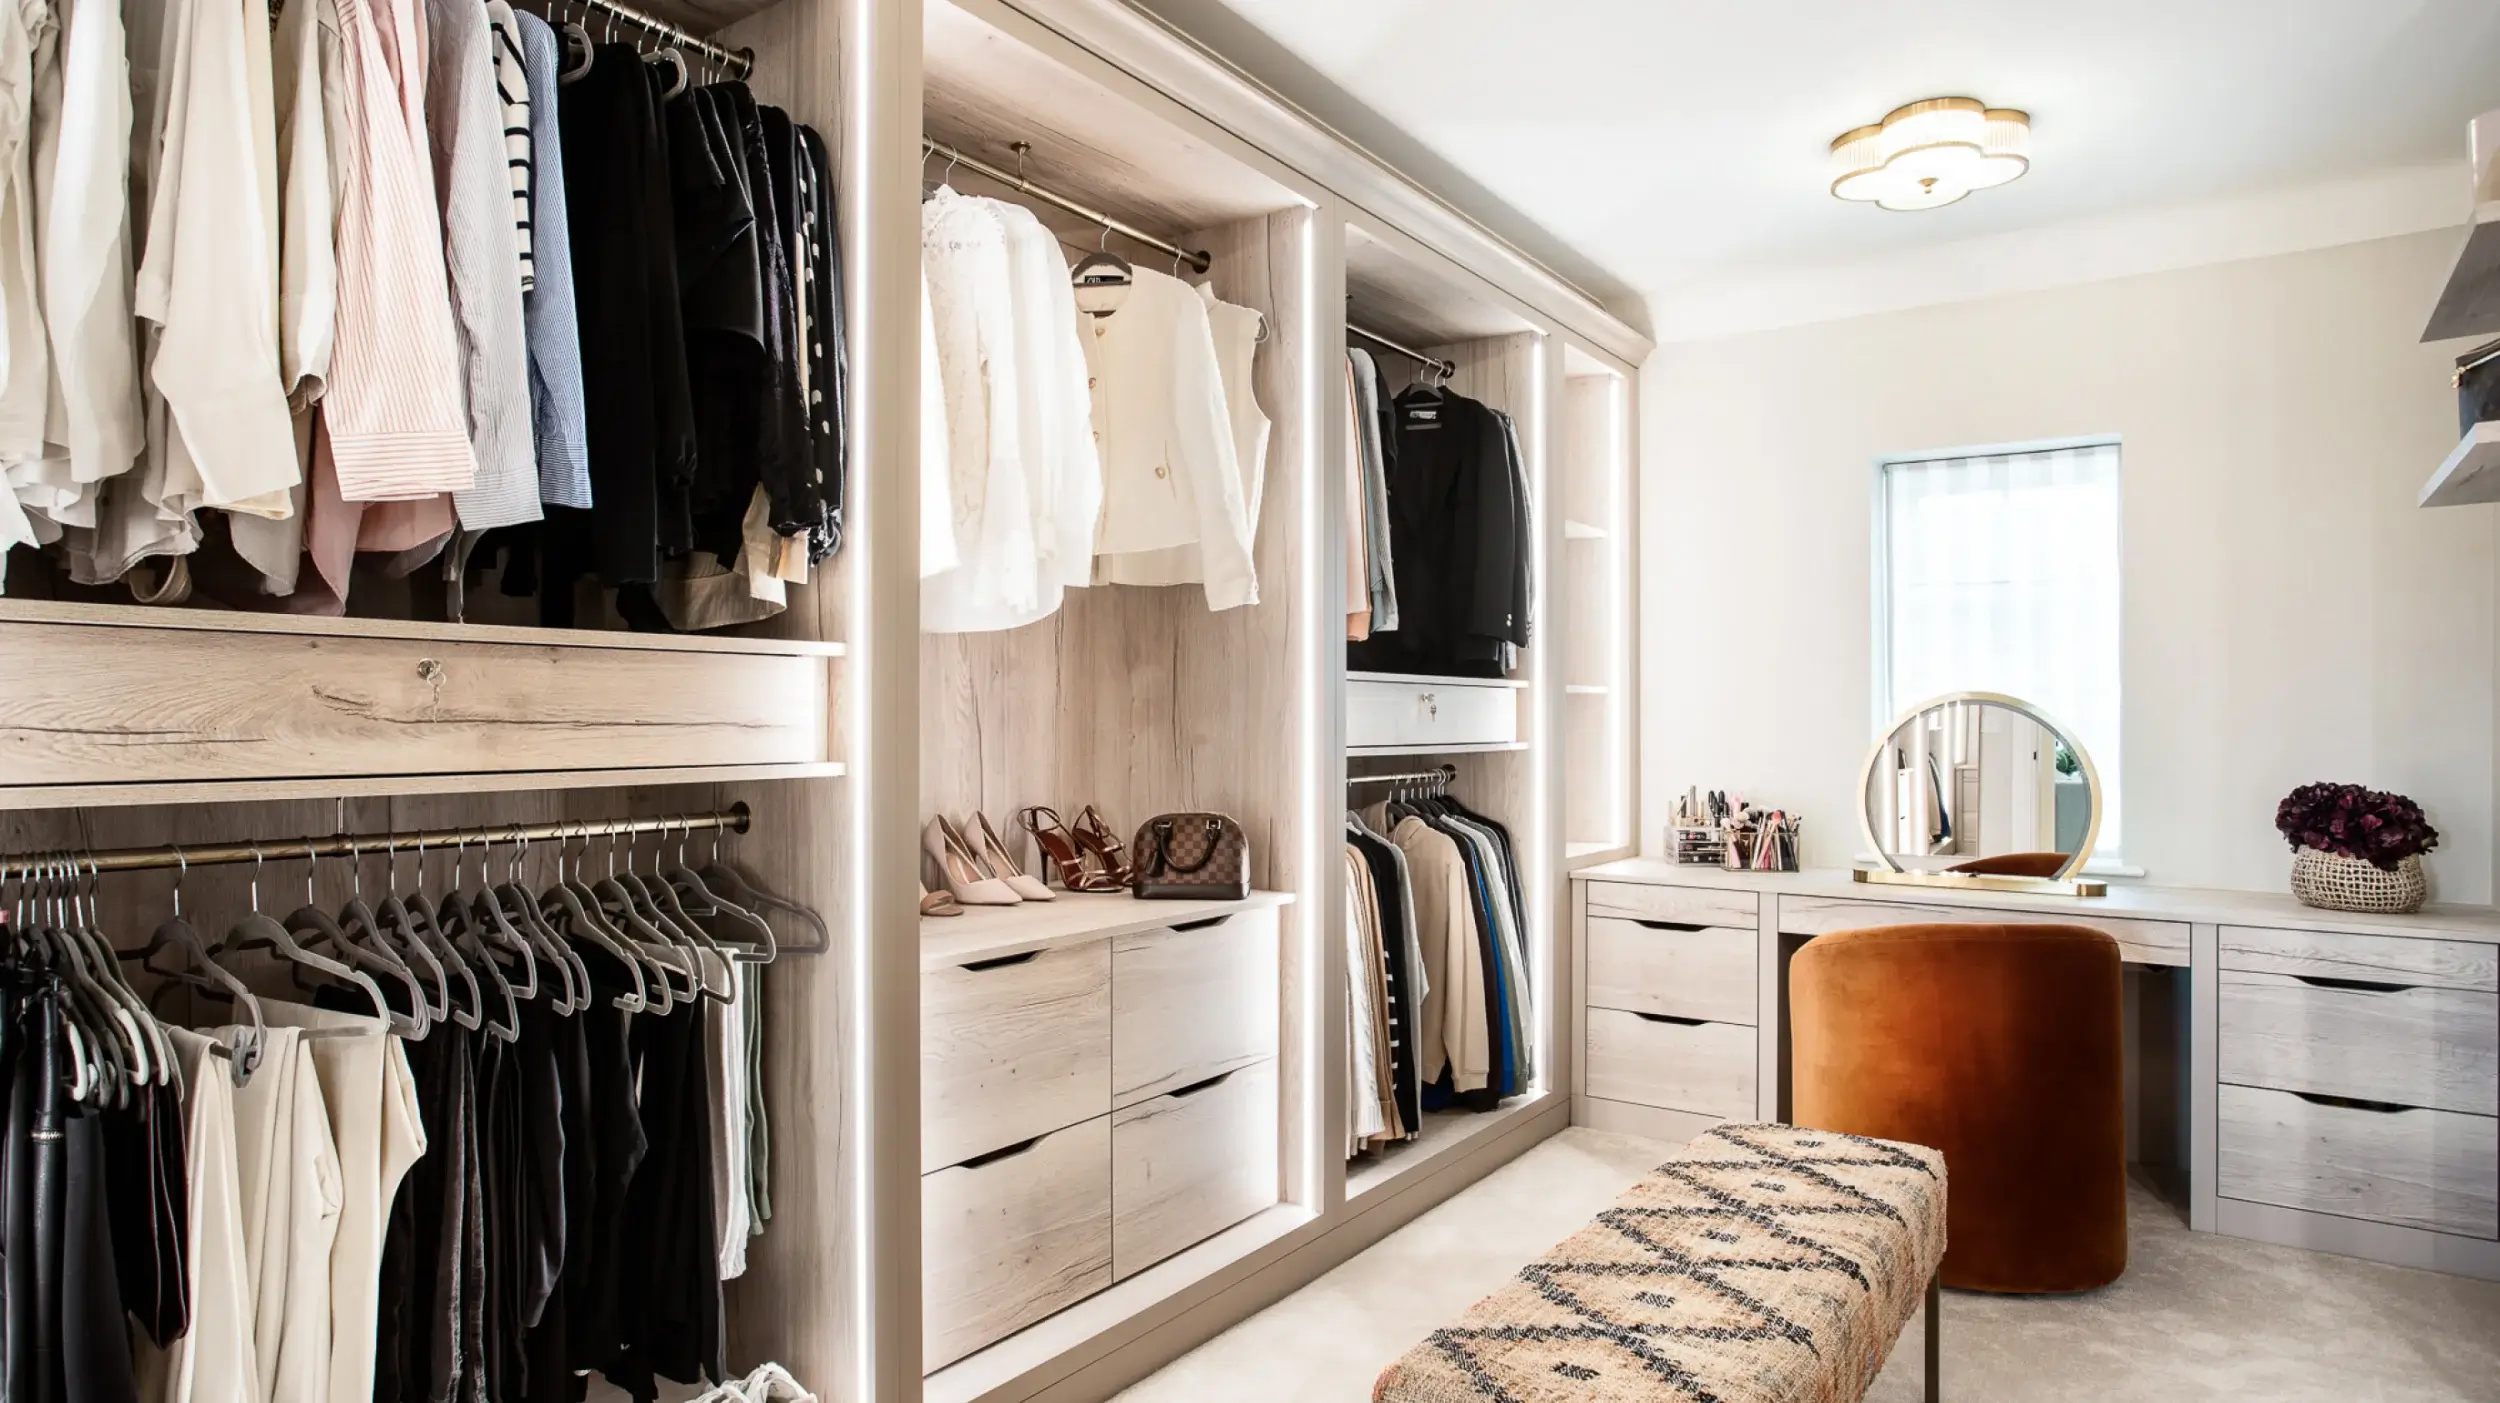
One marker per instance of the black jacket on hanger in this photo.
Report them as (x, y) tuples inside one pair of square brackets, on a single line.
[(1459, 533)]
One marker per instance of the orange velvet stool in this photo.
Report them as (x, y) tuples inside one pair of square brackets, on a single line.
[(2000, 1046)]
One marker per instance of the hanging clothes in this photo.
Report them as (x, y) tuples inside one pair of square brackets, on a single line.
[(1460, 542), (215, 1362), (1171, 476), (1237, 332), (555, 353), (1380, 578), (967, 266), (1354, 587)]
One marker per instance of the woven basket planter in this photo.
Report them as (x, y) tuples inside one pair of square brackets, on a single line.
[(2334, 882)]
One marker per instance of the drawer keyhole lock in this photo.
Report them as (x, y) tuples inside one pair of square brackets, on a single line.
[(1432, 705)]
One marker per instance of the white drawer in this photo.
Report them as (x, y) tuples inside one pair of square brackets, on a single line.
[(2387, 959), (1689, 971), (1012, 1048), (1192, 1003), (2139, 942), (2417, 1168), (1186, 1166), (1384, 709), (1691, 906), (2375, 1042), (1675, 1065), (1012, 1237)]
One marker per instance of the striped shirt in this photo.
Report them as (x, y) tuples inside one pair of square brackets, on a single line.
[(512, 88), (393, 413)]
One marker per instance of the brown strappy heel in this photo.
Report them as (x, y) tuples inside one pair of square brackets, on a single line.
[(1096, 838), (1066, 851)]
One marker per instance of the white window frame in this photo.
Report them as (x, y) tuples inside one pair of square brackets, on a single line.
[(2105, 861)]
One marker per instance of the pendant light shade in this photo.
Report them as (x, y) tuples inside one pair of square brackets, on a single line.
[(1931, 153)]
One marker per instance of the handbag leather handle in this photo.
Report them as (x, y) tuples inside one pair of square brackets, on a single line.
[(1163, 848)]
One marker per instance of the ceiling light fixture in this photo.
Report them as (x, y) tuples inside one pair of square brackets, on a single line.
[(1930, 153)]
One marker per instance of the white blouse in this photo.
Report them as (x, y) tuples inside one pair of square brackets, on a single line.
[(1236, 332), (963, 252), (1171, 474)]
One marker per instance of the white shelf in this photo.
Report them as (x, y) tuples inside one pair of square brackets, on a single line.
[(1357, 752), (1582, 531), (1413, 679), (1070, 918), (1587, 689), (2467, 477), (2469, 305)]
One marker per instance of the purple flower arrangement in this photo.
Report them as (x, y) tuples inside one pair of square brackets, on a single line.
[(2379, 828)]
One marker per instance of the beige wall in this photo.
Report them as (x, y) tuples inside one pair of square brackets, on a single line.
[(2290, 615)]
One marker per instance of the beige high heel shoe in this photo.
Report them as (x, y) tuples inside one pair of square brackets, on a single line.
[(994, 853), (972, 884)]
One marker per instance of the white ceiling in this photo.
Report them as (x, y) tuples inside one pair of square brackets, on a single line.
[(1677, 144)]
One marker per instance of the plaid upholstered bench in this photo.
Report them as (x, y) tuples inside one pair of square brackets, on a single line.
[(1763, 1264)]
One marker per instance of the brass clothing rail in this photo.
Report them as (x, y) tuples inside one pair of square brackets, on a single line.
[(1439, 774), (1445, 367), (737, 63), (1195, 260)]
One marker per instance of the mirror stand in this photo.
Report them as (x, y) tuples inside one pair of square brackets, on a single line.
[(1972, 881)]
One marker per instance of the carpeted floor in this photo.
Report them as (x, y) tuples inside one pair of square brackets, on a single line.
[(2197, 1317)]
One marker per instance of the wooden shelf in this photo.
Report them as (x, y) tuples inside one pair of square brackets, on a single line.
[(1582, 531), (1357, 752), (1444, 1132), (44, 611), (245, 791), (2469, 305), (2467, 477), (1071, 918)]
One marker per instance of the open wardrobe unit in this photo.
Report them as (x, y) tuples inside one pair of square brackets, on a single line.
[(993, 507)]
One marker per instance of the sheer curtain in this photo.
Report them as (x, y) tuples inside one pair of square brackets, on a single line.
[(2001, 575)]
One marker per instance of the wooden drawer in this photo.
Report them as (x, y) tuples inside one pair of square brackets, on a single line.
[(2384, 959), (1012, 1237), (2381, 1042), (1383, 709), (2139, 942), (1011, 1048), (1676, 1065), (2417, 1168), (121, 705), (1656, 967), (1689, 906), (1192, 1003), (1188, 1165)]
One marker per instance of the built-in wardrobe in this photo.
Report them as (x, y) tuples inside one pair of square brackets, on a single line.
[(1031, 1152)]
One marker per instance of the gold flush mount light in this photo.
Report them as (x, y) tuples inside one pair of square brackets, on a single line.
[(1930, 153)]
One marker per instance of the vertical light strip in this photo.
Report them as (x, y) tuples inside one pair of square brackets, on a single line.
[(863, 128), (1622, 704), (1312, 641), (1551, 680)]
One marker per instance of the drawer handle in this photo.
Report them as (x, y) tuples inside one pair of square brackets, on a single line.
[(2352, 1103), (1688, 927), (2362, 986), (1006, 1152), (1670, 1018), (1202, 925), (1004, 961), (1209, 1084)]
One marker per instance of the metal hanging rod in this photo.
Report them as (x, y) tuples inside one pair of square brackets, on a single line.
[(734, 819), (737, 63), (1196, 261), (1439, 774), (1447, 368)]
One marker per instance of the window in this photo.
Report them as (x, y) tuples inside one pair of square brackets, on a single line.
[(1997, 571)]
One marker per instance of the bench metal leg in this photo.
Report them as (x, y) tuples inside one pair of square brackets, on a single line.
[(1935, 1349)]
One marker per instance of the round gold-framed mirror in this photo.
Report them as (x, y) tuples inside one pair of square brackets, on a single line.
[(1980, 789)]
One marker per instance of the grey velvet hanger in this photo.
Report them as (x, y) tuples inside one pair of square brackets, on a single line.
[(380, 961), (243, 1053), (256, 931), (514, 897), (642, 935), (416, 923), (356, 917), (579, 908)]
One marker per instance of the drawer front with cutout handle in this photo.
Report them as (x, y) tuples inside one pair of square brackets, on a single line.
[(1192, 1001), (1012, 1235), (2371, 1040), (1674, 967), (1190, 1163), (1672, 1063), (1011, 1048), (2372, 1160)]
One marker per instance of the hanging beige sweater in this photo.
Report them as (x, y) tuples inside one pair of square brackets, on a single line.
[(1454, 1032)]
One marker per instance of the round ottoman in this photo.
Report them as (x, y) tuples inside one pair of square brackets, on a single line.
[(1999, 1045)]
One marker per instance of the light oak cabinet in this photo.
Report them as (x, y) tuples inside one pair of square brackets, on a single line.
[(1088, 1108), (1670, 1063)]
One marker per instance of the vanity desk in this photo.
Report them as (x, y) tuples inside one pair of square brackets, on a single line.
[(2322, 1079)]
